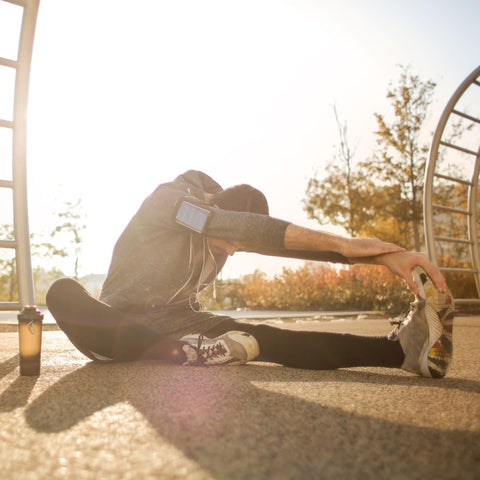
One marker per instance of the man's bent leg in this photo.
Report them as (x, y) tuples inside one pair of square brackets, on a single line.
[(99, 331)]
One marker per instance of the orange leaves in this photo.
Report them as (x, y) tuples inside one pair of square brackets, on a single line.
[(322, 286), (325, 287)]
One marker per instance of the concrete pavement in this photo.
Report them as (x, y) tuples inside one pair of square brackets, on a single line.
[(147, 420)]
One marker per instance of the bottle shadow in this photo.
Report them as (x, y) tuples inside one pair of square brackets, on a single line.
[(19, 391)]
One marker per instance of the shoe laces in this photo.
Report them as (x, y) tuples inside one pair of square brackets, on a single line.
[(207, 352), (404, 319)]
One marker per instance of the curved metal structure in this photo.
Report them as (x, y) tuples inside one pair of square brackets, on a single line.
[(18, 125), (441, 173)]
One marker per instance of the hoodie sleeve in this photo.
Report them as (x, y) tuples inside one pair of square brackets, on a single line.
[(251, 229), (261, 234), (258, 233)]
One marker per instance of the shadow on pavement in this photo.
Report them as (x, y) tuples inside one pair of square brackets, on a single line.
[(222, 420), (18, 392)]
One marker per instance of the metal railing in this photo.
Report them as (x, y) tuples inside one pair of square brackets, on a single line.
[(451, 114), (18, 126)]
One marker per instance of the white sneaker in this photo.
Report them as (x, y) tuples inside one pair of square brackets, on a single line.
[(231, 348), (426, 333)]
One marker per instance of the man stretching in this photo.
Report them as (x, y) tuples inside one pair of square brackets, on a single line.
[(178, 242)]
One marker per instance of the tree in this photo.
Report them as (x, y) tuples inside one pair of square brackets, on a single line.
[(63, 241), (8, 272), (343, 196), (386, 206), (382, 196), (402, 156), (70, 228)]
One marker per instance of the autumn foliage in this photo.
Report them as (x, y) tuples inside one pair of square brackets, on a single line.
[(324, 287), (314, 286)]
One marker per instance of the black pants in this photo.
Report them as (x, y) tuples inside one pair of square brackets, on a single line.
[(99, 331)]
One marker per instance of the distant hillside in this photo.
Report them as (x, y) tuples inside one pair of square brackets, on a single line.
[(93, 283)]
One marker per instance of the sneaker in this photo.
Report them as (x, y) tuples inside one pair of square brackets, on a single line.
[(231, 348), (426, 333)]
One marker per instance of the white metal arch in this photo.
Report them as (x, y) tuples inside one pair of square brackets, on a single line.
[(455, 111), (18, 183)]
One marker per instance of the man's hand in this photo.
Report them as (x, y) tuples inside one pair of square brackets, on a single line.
[(367, 247), (403, 263), (300, 238), (366, 250)]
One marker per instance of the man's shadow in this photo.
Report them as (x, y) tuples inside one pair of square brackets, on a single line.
[(222, 420)]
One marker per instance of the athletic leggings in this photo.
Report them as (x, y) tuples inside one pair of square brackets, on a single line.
[(103, 333)]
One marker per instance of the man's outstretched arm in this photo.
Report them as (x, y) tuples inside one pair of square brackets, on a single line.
[(300, 238), (368, 251), (402, 264)]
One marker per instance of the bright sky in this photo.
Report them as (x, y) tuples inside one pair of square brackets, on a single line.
[(128, 94)]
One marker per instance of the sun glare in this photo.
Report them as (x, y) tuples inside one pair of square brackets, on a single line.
[(126, 95)]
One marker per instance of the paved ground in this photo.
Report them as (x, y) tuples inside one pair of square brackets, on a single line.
[(145, 420)]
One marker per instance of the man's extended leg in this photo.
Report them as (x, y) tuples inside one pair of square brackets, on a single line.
[(422, 342), (317, 350)]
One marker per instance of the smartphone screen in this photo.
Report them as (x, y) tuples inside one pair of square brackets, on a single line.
[(192, 216)]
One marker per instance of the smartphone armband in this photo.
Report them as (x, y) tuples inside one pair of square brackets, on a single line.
[(192, 216)]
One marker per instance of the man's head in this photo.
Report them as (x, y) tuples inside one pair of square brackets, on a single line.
[(241, 198)]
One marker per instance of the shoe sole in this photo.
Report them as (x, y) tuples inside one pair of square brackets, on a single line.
[(437, 351)]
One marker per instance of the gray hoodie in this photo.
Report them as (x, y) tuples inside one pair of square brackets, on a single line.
[(157, 263)]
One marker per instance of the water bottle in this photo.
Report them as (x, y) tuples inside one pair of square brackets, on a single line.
[(30, 339)]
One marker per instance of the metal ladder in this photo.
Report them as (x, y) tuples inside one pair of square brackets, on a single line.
[(18, 126), (463, 176)]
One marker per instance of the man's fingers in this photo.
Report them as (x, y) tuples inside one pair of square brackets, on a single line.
[(433, 272), (403, 264), (391, 247), (368, 247), (412, 284), (437, 278)]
